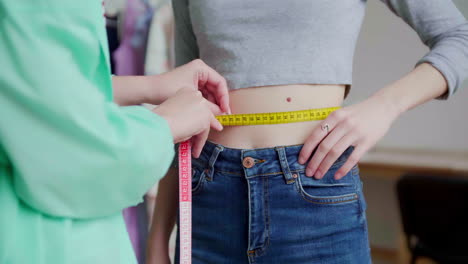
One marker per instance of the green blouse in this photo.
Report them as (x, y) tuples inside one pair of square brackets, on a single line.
[(70, 158)]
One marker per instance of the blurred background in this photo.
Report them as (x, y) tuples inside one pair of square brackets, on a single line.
[(428, 140), (409, 216)]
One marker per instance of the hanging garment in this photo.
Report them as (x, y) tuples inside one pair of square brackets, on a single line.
[(159, 51), (130, 56)]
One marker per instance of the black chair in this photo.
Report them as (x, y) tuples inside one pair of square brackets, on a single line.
[(434, 212)]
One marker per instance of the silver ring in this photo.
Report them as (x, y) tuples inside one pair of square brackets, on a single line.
[(326, 127)]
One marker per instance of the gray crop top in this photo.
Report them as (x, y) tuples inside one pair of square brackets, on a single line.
[(274, 42)]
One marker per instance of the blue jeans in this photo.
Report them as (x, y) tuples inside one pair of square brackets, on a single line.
[(257, 206)]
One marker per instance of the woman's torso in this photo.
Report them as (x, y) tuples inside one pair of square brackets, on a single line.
[(276, 99), (295, 49), (268, 52)]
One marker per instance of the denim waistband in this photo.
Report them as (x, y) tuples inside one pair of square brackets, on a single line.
[(274, 160)]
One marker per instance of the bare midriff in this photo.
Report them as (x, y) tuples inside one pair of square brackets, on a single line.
[(276, 99)]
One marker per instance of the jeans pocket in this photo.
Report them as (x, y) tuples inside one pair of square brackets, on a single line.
[(198, 177), (328, 191)]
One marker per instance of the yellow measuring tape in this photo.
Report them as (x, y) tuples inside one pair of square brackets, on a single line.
[(275, 118)]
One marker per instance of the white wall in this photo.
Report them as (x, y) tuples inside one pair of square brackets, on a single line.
[(386, 50)]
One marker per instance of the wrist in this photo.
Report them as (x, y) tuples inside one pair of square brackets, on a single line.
[(159, 110), (392, 104), (152, 89)]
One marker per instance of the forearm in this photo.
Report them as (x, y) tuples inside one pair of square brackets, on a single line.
[(422, 84), (155, 89), (362, 125), (151, 89), (132, 90), (164, 217)]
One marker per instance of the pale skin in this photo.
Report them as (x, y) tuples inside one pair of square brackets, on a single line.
[(363, 124), (360, 125), (189, 97)]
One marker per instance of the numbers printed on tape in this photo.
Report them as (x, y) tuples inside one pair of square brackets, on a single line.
[(275, 118), (185, 202)]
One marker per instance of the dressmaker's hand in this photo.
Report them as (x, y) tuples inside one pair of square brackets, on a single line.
[(360, 125), (190, 116), (198, 76)]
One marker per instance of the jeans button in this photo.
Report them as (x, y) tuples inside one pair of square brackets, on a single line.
[(248, 162)]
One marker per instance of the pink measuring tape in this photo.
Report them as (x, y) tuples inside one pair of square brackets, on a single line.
[(185, 203)]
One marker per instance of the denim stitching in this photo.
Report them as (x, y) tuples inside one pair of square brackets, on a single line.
[(339, 201), (266, 174), (243, 151), (257, 149), (355, 173), (201, 182), (250, 221), (334, 199), (366, 232), (263, 174), (213, 159), (259, 251), (266, 213)]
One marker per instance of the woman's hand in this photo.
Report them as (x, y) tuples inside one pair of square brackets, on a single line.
[(197, 76), (155, 89), (360, 125), (190, 116)]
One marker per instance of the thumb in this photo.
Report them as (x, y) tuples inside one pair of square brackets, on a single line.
[(214, 108)]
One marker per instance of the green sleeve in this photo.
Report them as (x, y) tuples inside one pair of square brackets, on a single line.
[(74, 153)]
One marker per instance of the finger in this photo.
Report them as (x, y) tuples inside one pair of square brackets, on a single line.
[(323, 149), (223, 101), (333, 155), (205, 93), (215, 124), (214, 108), (352, 160), (208, 95), (216, 85), (198, 142), (211, 98), (318, 134), (182, 140), (221, 94)]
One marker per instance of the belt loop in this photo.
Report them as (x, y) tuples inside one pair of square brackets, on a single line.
[(214, 156), (284, 165)]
